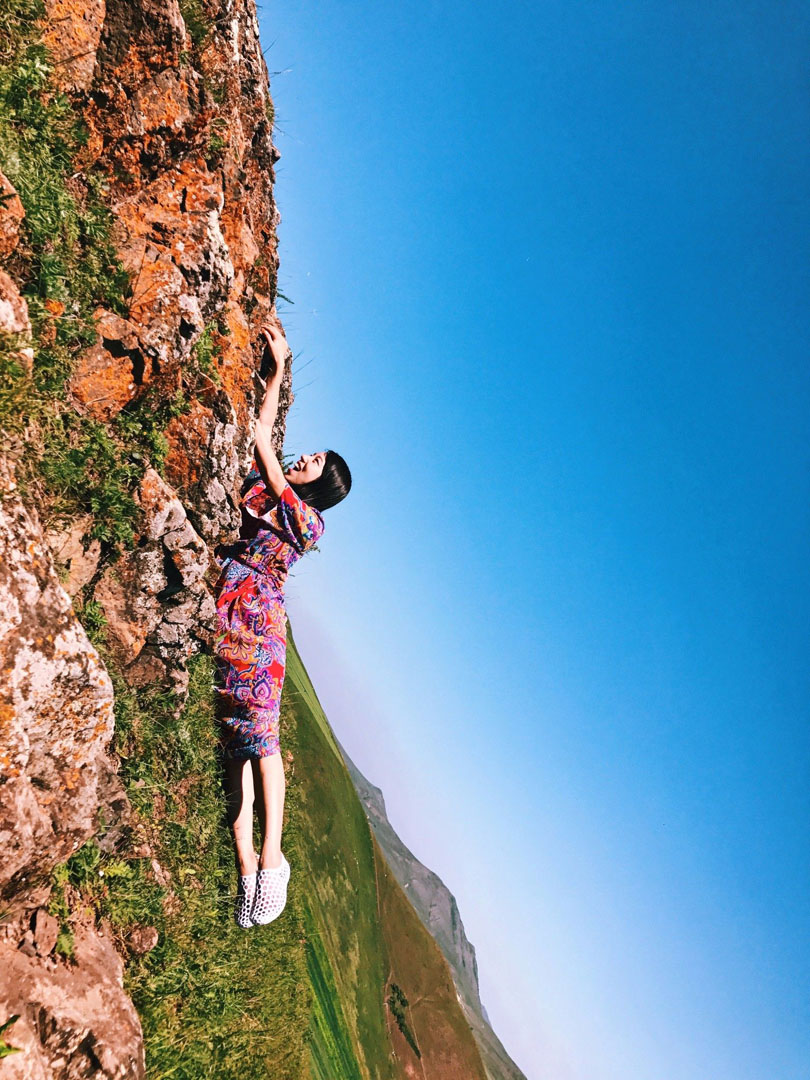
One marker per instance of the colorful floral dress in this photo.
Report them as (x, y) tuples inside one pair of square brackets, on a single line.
[(251, 645)]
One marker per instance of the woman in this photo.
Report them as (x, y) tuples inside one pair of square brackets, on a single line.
[(281, 520)]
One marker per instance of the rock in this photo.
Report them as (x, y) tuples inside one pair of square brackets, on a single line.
[(180, 140), (11, 216), (162, 102), (142, 939), (114, 814), (56, 707), (163, 511), (72, 34), (46, 931), (14, 319), (13, 308), (131, 612), (148, 669), (28, 945), (209, 456), (189, 554), (75, 1019), (162, 877), (173, 245), (109, 374), (187, 603), (139, 596), (76, 560)]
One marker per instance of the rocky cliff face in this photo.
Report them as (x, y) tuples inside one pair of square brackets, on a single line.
[(175, 148)]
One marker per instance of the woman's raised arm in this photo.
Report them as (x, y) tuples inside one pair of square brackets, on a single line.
[(268, 463)]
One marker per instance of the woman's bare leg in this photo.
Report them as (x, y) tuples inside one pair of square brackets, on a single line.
[(239, 795), (270, 785)]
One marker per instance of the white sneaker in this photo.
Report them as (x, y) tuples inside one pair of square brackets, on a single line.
[(244, 900), (271, 893)]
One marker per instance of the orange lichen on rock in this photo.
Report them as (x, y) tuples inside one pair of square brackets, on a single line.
[(185, 435), (162, 102), (12, 214), (108, 374), (235, 358), (156, 286), (72, 32)]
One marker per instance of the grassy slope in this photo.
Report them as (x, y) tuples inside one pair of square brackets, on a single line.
[(340, 903), (371, 936)]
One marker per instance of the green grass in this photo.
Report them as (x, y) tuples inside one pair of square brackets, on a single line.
[(208, 347), (197, 21), (84, 469), (215, 150), (332, 1055), (347, 954)]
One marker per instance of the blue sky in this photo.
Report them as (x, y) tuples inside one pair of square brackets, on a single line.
[(550, 271)]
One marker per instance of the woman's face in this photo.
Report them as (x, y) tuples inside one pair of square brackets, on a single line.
[(308, 468)]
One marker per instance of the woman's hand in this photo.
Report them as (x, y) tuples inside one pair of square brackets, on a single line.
[(279, 349)]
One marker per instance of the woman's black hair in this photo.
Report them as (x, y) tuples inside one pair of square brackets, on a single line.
[(332, 485)]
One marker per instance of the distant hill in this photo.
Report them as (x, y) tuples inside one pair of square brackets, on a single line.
[(436, 907)]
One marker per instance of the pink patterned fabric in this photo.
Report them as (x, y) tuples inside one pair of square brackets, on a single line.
[(251, 644)]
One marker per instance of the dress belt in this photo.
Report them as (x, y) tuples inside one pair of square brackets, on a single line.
[(225, 552), (253, 566)]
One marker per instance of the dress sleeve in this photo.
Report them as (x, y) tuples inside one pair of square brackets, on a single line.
[(259, 502), (295, 521), (301, 524)]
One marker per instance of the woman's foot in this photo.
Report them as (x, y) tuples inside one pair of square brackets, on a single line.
[(271, 893), (249, 864)]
